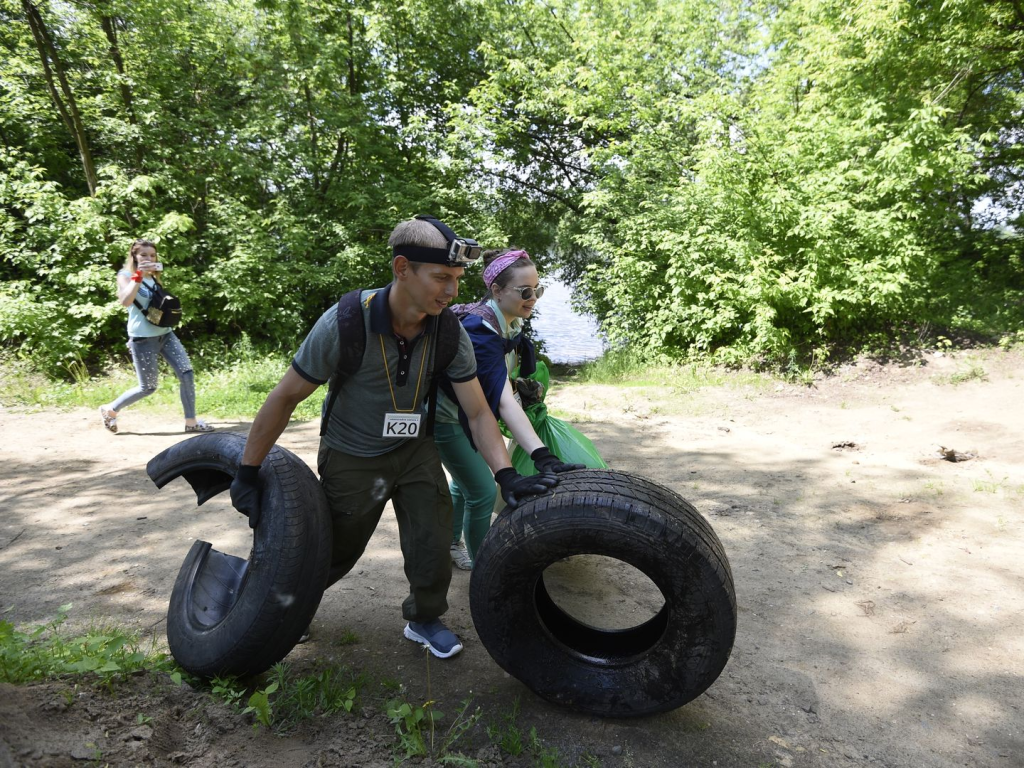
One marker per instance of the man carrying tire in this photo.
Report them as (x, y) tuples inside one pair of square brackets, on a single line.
[(376, 445)]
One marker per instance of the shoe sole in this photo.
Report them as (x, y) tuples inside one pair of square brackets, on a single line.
[(418, 638), (461, 566)]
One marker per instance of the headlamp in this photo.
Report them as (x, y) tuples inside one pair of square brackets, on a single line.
[(463, 251), (460, 252)]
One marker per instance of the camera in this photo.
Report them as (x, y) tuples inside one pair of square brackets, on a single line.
[(462, 251)]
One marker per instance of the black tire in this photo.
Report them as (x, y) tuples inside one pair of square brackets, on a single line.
[(655, 667), (234, 616)]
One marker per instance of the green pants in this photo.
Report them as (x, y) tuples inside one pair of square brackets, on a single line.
[(472, 489), (357, 489)]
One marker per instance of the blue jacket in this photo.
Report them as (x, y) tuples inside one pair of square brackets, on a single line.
[(490, 349)]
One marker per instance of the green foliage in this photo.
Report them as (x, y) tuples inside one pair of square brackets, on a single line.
[(288, 699), (506, 733), (259, 706), (416, 726), (317, 694), (972, 372), (745, 182), (776, 188), (229, 689), (267, 148), (103, 656)]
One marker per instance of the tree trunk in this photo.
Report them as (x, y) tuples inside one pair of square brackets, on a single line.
[(67, 106), (110, 31)]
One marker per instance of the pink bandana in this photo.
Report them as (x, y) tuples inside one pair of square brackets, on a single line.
[(502, 263)]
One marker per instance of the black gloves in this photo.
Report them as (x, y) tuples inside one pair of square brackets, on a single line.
[(514, 486), (546, 462), (245, 493)]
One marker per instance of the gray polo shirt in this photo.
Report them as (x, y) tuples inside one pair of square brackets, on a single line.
[(356, 425)]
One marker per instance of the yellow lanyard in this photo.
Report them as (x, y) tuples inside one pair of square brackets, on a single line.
[(419, 380)]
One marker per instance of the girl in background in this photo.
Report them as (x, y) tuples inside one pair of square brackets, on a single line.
[(147, 342)]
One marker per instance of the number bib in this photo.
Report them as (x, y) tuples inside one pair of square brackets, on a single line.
[(401, 425)]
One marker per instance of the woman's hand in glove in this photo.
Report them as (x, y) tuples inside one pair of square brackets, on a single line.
[(514, 487), (546, 462)]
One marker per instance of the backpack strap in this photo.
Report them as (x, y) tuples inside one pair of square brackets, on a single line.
[(446, 346), (135, 301), (447, 342), (351, 343)]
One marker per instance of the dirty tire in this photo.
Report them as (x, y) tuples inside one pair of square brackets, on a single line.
[(654, 667), (235, 616)]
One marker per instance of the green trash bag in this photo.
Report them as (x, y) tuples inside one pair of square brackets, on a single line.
[(534, 388), (561, 438)]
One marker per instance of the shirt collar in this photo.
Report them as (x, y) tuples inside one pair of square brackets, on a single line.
[(380, 314), (507, 329)]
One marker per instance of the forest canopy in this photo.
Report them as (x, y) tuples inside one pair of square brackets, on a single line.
[(743, 181)]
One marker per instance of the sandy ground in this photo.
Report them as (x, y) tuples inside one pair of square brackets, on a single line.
[(880, 587)]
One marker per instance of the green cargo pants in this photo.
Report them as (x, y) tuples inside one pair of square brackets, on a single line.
[(357, 489)]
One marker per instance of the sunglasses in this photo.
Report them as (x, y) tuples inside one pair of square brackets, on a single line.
[(527, 292)]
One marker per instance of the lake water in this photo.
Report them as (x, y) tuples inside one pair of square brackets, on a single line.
[(568, 337)]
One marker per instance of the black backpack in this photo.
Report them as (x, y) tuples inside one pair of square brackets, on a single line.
[(445, 330), (164, 310)]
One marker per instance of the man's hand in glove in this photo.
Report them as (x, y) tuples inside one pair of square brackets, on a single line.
[(245, 493), (514, 486), (546, 462)]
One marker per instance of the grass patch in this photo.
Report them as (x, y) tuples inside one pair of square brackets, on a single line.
[(288, 699), (231, 385), (626, 369), (507, 734), (103, 655), (278, 701), (972, 372), (992, 485)]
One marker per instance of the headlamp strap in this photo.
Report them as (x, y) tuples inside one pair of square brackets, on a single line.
[(425, 253), (422, 253), (441, 227)]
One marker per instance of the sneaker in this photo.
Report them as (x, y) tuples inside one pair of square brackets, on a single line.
[(109, 419), (460, 556), (441, 641), (199, 426)]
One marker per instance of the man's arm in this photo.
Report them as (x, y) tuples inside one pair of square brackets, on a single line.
[(274, 415), (266, 428), (482, 424)]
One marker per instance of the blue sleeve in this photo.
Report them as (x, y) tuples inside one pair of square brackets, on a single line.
[(489, 349)]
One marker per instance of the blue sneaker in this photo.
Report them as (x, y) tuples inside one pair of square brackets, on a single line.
[(441, 641)]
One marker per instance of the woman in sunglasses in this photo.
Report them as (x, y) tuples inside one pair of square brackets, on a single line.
[(495, 326)]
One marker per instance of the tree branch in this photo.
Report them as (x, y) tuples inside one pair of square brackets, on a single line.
[(122, 80), (567, 202), (69, 112)]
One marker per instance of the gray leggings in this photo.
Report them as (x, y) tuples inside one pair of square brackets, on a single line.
[(146, 353)]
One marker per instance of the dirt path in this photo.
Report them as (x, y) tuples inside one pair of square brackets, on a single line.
[(880, 588)]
